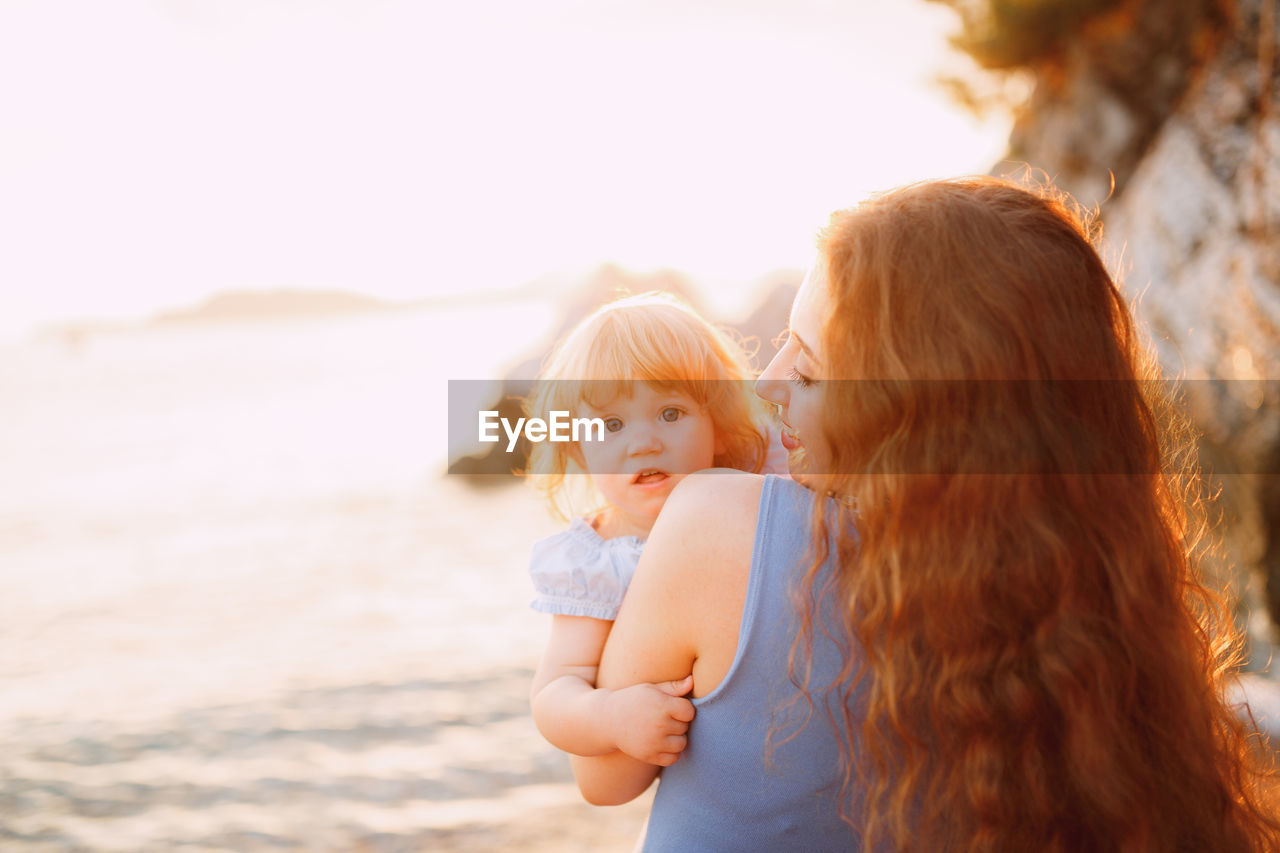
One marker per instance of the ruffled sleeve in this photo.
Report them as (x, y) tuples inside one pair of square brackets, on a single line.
[(576, 573)]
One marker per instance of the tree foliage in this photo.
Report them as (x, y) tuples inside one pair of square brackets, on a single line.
[(1009, 34)]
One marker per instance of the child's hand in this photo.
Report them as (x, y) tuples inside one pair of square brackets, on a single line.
[(649, 721)]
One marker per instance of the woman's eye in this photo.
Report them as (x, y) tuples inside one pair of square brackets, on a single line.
[(799, 378), (670, 414), (613, 424)]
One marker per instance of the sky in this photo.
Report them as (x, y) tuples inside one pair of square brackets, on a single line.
[(153, 152)]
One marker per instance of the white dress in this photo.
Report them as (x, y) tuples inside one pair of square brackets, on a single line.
[(577, 573)]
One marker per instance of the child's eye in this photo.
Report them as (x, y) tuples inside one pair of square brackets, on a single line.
[(799, 378), (613, 424), (670, 414)]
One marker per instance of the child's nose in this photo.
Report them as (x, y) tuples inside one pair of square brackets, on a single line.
[(645, 440)]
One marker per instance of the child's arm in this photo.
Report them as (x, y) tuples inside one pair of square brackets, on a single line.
[(646, 721)]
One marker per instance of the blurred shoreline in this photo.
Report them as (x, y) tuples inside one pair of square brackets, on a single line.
[(245, 610)]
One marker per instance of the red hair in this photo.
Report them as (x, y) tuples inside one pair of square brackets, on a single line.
[(1044, 669)]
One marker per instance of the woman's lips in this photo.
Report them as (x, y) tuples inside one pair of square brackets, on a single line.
[(789, 439)]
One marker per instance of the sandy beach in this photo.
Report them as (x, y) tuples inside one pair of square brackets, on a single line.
[(343, 705)]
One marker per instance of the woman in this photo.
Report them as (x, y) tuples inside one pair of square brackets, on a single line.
[(1004, 646)]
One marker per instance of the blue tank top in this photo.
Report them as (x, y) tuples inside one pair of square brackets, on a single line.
[(724, 794)]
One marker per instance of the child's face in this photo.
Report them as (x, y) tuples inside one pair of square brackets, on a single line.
[(652, 439)]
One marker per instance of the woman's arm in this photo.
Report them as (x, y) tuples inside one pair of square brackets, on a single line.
[(685, 602), (647, 721)]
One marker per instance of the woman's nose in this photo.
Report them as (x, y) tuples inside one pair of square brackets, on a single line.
[(772, 384)]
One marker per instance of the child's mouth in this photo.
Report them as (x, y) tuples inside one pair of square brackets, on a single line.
[(649, 477)]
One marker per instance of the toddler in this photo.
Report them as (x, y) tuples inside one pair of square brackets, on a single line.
[(673, 394)]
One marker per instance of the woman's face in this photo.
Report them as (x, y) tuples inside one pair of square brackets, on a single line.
[(791, 379)]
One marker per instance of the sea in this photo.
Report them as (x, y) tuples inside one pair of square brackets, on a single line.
[(243, 606)]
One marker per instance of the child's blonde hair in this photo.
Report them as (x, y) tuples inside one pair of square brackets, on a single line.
[(658, 339)]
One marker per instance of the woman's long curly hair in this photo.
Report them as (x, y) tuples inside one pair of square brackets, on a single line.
[(1041, 668)]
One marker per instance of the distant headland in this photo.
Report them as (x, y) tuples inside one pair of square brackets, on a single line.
[(235, 306), (273, 305)]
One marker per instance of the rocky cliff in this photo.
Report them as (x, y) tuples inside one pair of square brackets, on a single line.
[(1163, 114)]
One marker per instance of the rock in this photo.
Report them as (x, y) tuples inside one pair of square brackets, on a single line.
[(498, 466), (1201, 239), (1166, 96), (1096, 105)]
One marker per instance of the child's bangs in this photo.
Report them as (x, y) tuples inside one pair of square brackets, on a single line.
[(657, 347), (599, 393), (646, 340), (703, 392)]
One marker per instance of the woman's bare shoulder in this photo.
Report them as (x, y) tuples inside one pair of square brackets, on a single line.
[(719, 496), (709, 519)]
